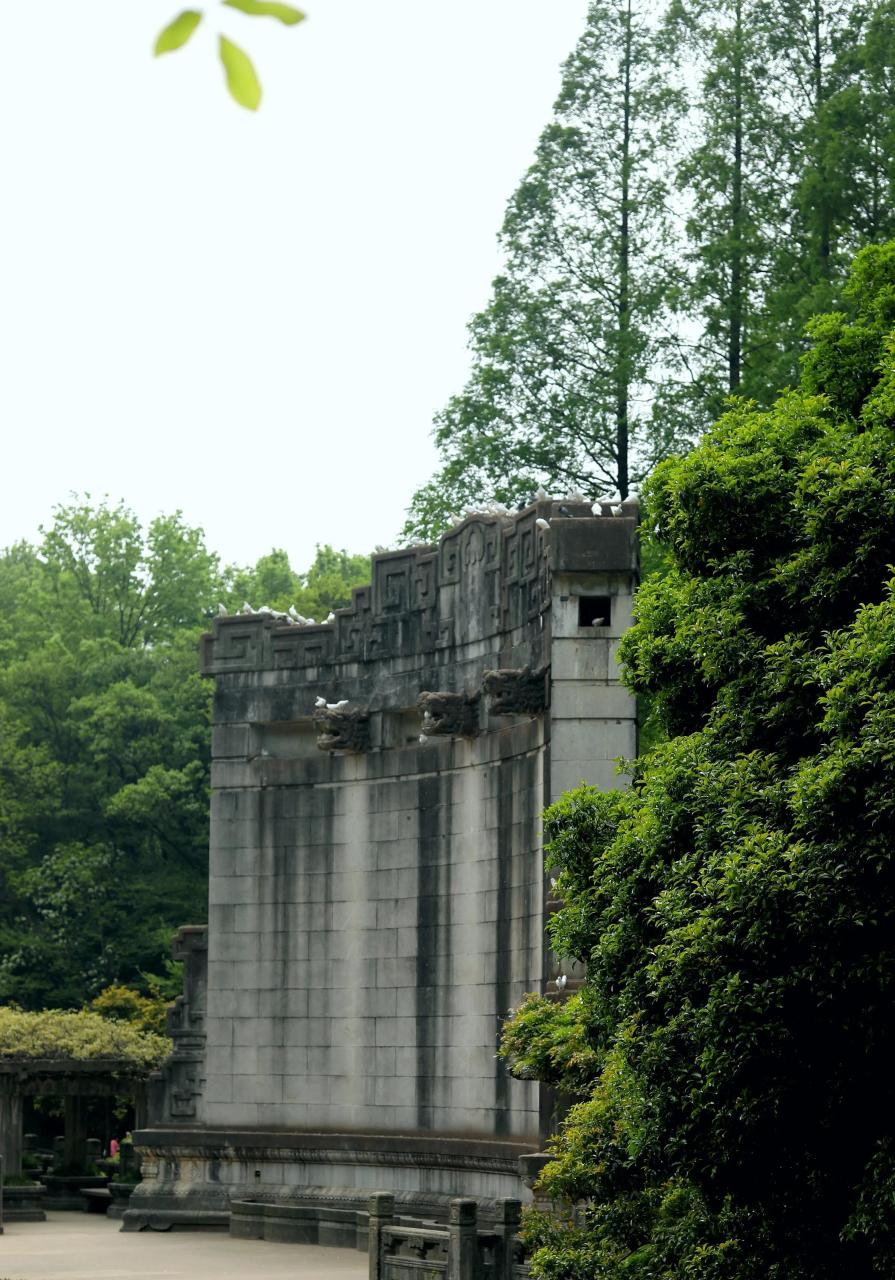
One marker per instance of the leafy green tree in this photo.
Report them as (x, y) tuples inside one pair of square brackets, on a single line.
[(107, 716), (100, 575), (729, 1056), (325, 586), (573, 379), (145, 1012), (105, 741)]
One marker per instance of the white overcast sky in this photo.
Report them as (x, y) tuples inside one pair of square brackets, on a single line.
[(253, 318)]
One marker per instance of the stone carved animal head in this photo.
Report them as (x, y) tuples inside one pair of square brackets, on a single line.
[(448, 714), (342, 729), (516, 691)]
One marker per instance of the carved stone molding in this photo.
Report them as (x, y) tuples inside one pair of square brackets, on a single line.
[(385, 1150), (516, 692), (347, 729), (452, 715), (176, 1089)]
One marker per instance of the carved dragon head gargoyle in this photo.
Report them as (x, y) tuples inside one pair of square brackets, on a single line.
[(342, 729), (516, 691), (448, 714)]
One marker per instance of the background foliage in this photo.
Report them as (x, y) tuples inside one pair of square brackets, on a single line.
[(104, 741), (729, 1058)]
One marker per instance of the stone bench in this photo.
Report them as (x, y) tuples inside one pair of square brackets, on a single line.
[(96, 1199)]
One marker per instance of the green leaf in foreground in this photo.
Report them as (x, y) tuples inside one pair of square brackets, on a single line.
[(286, 13), (177, 33), (242, 80)]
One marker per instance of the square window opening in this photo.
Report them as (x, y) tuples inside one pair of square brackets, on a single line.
[(594, 611)]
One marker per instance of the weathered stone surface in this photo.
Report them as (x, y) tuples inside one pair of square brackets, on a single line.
[(375, 910)]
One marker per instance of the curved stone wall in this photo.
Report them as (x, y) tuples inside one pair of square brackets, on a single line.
[(377, 898)]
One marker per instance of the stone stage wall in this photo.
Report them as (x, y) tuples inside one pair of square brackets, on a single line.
[(377, 898)]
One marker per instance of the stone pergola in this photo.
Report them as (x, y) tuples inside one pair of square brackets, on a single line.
[(74, 1080)]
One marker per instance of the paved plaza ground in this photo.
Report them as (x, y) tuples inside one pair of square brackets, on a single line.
[(73, 1246)]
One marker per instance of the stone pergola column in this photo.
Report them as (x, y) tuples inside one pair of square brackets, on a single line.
[(11, 1131), (140, 1106), (75, 1148)]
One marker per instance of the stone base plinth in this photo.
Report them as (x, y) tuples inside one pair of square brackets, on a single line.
[(310, 1223), (121, 1193), (24, 1204), (192, 1178)]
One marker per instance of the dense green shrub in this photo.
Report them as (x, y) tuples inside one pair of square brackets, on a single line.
[(80, 1036), (736, 908)]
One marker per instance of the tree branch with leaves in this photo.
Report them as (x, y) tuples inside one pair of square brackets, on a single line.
[(239, 70)]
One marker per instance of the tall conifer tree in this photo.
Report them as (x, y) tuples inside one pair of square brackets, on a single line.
[(573, 380), (731, 180), (814, 110)]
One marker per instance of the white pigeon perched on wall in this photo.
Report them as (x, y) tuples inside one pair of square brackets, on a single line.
[(246, 607), (561, 982), (330, 617), (618, 511), (541, 523), (320, 702), (541, 494), (423, 739), (222, 611)]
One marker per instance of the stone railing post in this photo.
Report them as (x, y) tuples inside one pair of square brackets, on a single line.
[(506, 1224), (463, 1246), (530, 1169), (381, 1208)]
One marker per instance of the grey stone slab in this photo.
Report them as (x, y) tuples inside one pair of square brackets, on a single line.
[(258, 1089), (244, 1059), (370, 944)]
